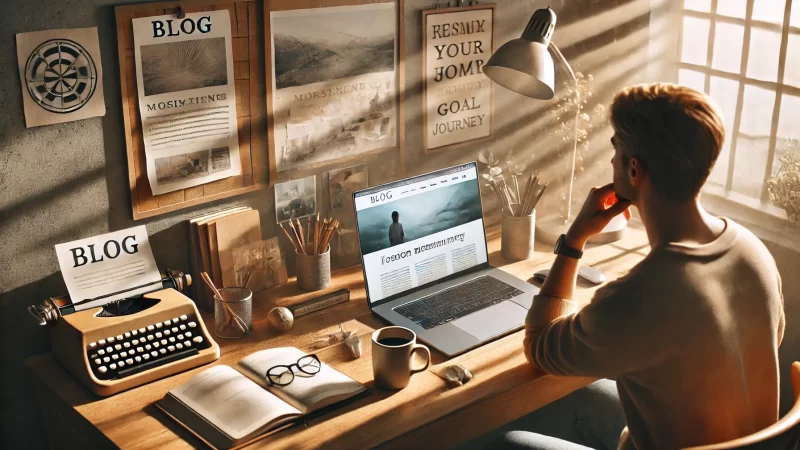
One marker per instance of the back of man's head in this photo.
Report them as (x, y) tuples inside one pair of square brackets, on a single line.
[(674, 131)]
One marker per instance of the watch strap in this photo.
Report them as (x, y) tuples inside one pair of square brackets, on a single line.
[(562, 248)]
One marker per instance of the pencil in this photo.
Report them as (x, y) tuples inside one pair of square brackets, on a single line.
[(316, 234), (329, 236), (288, 236), (500, 196), (323, 232), (308, 233), (301, 250), (302, 234), (538, 197)]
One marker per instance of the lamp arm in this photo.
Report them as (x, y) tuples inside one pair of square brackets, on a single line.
[(574, 80)]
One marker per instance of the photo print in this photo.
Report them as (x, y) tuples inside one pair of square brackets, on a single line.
[(444, 208), (61, 75), (341, 185), (296, 198), (343, 182), (183, 65), (171, 169), (259, 265), (334, 82), (345, 251)]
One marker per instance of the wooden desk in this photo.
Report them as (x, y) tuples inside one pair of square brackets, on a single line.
[(426, 414)]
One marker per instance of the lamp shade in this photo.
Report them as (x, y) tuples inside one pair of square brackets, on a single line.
[(524, 65)]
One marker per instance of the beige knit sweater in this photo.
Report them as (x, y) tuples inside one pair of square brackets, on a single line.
[(691, 336)]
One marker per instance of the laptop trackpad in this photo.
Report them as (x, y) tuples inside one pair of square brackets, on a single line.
[(494, 320)]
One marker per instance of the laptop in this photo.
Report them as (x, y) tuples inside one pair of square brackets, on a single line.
[(425, 261)]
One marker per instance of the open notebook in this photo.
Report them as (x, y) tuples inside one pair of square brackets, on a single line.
[(229, 408)]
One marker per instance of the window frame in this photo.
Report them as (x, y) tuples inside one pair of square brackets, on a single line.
[(724, 199)]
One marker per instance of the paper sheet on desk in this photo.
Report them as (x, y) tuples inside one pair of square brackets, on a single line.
[(108, 267)]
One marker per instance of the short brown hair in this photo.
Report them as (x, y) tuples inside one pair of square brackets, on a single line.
[(676, 132)]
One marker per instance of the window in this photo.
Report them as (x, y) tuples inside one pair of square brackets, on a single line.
[(736, 51)]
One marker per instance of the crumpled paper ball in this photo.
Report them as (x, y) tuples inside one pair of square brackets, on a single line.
[(280, 319), (353, 343), (456, 375)]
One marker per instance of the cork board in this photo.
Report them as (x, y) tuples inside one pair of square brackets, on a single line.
[(248, 54)]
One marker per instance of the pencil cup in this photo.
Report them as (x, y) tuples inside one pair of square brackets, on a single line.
[(314, 271), (516, 243), (233, 313)]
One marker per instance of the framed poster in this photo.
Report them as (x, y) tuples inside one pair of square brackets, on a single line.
[(334, 80), (457, 96)]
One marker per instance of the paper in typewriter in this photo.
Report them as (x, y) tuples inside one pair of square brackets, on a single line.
[(108, 267), (187, 99)]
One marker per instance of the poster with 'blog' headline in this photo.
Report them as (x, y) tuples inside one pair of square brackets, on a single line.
[(187, 99)]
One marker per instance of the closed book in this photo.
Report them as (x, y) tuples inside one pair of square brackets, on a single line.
[(204, 294), (232, 232)]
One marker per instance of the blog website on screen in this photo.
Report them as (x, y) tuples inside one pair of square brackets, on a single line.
[(420, 230)]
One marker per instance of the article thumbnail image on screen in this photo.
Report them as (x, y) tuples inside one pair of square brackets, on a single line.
[(419, 215)]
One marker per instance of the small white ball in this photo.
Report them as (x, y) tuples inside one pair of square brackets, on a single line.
[(280, 319)]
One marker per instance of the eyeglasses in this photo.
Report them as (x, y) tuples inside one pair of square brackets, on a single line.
[(284, 375)]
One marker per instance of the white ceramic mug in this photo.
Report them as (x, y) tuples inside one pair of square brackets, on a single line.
[(393, 349)]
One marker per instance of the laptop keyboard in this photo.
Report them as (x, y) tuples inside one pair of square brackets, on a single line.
[(458, 301)]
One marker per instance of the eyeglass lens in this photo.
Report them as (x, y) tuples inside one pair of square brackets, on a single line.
[(308, 364), (283, 375)]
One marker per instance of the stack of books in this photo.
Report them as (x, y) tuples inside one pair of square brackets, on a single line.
[(212, 239)]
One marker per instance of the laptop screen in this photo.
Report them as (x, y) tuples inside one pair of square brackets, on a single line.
[(419, 230)]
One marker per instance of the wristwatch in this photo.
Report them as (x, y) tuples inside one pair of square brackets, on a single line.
[(562, 248)]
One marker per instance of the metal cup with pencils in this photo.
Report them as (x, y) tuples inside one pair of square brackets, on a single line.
[(519, 216), (312, 247)]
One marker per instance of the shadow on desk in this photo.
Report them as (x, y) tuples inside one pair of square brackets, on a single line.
[(181, 434), (432, 437)]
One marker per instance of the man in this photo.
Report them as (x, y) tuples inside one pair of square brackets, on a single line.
[(396, 235), (691, 333)]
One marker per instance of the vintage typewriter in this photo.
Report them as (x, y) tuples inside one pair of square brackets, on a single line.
[(129, 342)]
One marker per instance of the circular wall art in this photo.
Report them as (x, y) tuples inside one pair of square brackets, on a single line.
[(61, 76)]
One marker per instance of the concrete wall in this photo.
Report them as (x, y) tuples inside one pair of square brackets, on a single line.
[(64, 182)]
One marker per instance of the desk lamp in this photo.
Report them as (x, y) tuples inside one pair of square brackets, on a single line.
[(525, 66)]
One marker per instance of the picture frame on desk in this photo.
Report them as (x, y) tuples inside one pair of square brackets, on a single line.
[(354, 105)]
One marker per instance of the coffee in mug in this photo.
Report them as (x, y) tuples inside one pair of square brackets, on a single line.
[(393, 349), (393, 342)]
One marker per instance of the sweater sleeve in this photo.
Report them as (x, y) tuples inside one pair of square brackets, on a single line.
[(614, 334), (543, 311)]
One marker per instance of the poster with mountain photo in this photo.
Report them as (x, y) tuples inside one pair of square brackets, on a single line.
[(334, 82)]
